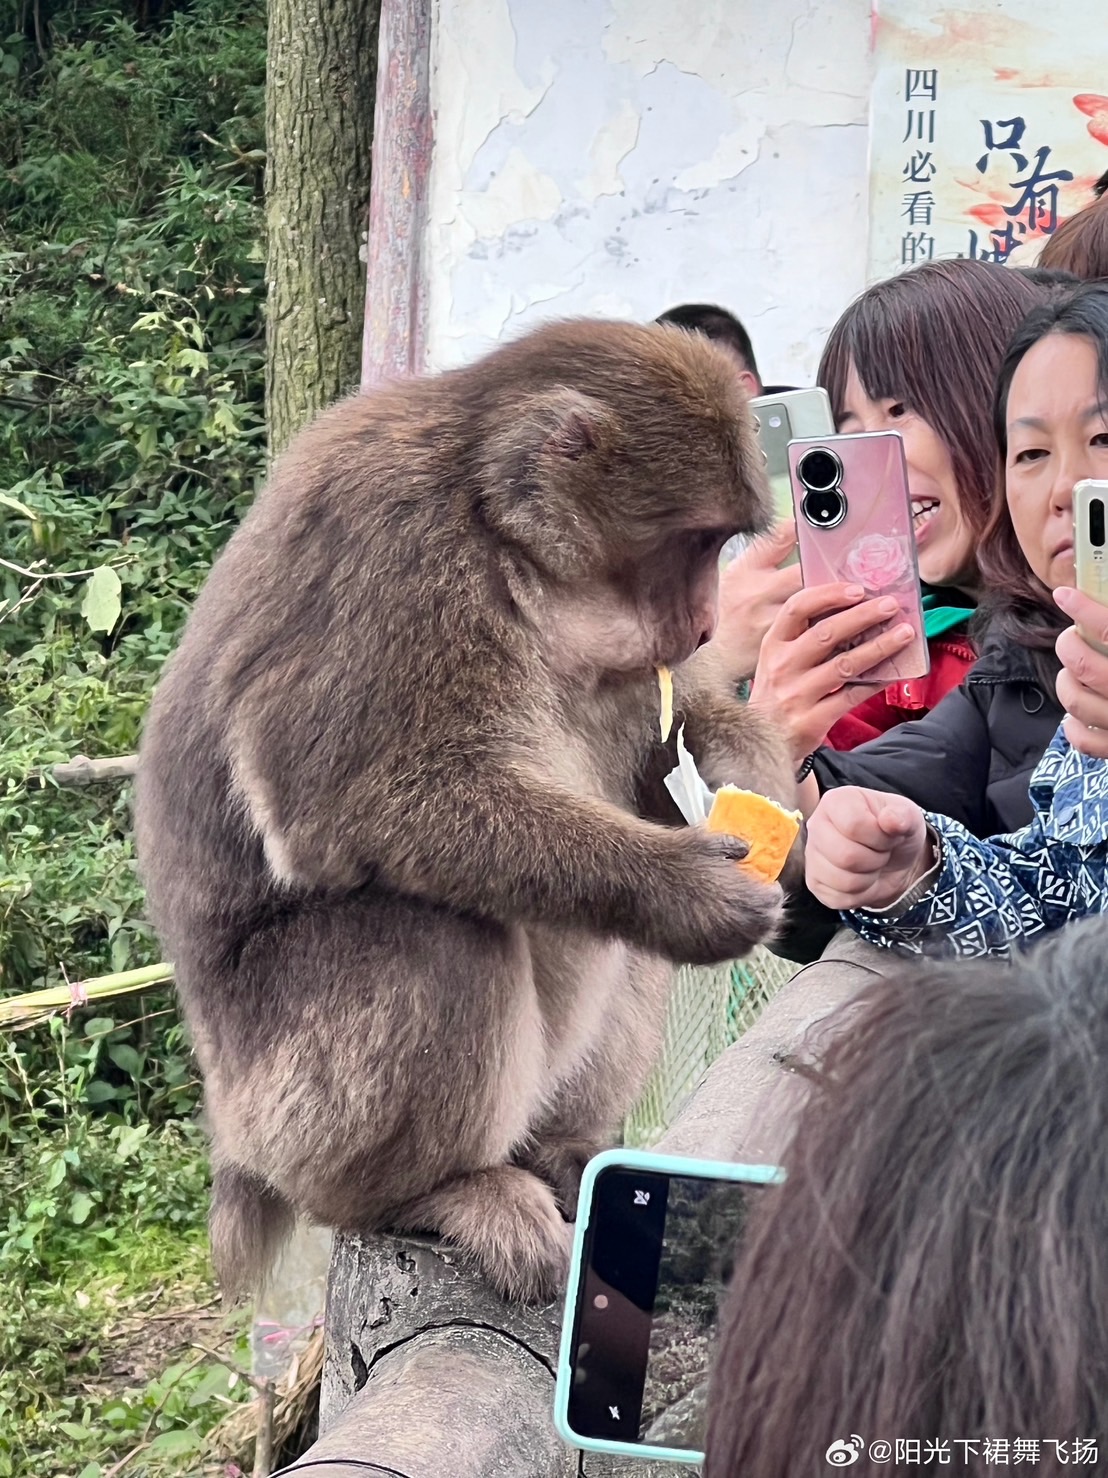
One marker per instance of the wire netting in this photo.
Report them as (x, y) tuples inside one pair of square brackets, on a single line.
[(709, 1009)]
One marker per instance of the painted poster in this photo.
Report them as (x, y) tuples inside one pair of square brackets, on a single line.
[(988, 126)]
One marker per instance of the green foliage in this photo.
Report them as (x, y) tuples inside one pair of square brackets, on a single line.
[(131, 436), (94, 1207), (131, 440)]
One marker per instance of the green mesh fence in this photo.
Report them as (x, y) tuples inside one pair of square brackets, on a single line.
[(709, 1009)]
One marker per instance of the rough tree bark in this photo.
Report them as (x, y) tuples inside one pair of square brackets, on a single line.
[(320, 92)]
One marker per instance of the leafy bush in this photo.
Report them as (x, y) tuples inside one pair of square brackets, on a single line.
[(131, 435), (131, 439), (97, 1210)]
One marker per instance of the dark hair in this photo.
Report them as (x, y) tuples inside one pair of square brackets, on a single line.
[(935, 1265), (714, 323), (1101, 185), (933, 337), (1018, 604), (1080, 245), (1050, 277)]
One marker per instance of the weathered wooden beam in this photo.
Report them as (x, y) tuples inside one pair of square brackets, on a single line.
[(403, 131)]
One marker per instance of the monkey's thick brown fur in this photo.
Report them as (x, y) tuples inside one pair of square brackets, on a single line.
[(399, 810)]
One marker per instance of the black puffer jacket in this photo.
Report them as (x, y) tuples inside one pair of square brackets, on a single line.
[(970, 758)]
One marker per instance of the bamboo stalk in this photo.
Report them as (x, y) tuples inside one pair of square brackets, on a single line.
[(36, 1006), (82, 771)]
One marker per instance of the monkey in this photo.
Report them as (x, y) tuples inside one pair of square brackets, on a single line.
[(399, 808)]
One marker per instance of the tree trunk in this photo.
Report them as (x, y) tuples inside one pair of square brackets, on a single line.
[(320, 94)]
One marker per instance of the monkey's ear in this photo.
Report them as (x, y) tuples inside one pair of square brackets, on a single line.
[(535, 477), (572, 425)]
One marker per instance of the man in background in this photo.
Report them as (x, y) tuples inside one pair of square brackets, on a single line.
[(725, 329)]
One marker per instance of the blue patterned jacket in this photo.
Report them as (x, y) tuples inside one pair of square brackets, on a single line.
[(995, 895)]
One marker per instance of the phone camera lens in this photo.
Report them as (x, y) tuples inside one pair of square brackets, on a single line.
[(819, 470), (775, 422), (824, 508), (1096, 523)]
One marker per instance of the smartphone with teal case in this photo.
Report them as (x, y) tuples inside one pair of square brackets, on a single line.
[(1090, 543), (653, 1249)]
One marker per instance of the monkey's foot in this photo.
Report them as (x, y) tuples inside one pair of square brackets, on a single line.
[(560, 1162), (507, 1220)]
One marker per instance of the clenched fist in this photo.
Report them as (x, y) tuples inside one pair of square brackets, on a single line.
[(865, 848)]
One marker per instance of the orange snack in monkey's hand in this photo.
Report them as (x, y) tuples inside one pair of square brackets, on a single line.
[(767, 827)]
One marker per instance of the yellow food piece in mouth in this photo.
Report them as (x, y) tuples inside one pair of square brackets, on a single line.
[(665, 690), (769, 829)]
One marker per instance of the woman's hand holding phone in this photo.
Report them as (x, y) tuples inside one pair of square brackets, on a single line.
[(804, 680), (752, 590), (1083, 681)]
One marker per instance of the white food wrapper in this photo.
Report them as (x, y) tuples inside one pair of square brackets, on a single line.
[(693, 798)]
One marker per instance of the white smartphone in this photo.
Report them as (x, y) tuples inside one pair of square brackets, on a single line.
[(1090, 543), (780, 419), (654, 1244)]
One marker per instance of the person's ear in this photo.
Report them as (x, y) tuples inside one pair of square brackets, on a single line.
[(749, 381)]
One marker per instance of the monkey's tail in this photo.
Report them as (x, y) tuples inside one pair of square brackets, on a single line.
[(249, 1223)]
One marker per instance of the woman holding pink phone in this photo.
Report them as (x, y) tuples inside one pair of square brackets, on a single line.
[(920, 354), (956, 317), (901, 869), (917, 354)]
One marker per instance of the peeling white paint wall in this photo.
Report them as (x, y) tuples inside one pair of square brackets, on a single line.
[(620, 156)]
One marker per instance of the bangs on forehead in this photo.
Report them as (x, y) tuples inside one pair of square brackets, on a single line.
[(876, 337)]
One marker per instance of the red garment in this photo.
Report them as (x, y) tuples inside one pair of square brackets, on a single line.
[(951, 658)]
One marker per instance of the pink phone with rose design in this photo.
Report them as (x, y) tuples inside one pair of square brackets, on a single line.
[(854, 524)]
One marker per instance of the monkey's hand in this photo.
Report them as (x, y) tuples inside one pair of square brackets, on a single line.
[(707, 909)]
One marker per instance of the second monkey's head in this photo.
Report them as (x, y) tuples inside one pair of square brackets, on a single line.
[(617, 460)]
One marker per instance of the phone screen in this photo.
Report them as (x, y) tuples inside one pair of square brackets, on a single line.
[(658, 1256)]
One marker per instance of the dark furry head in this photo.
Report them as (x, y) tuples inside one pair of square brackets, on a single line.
[(591, 427)]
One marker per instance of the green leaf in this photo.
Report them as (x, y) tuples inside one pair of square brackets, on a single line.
[(75, 1430), (101, 605), (126, 1058), (79, 1208), (99, 1026), (121, 952), (176, 1444), (57, 1174), (93, 1470), (100, 1092), (131, 1137), (7, 501), (216, 1382)]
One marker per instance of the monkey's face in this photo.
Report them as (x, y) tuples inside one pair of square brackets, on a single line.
[(653, 607)]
